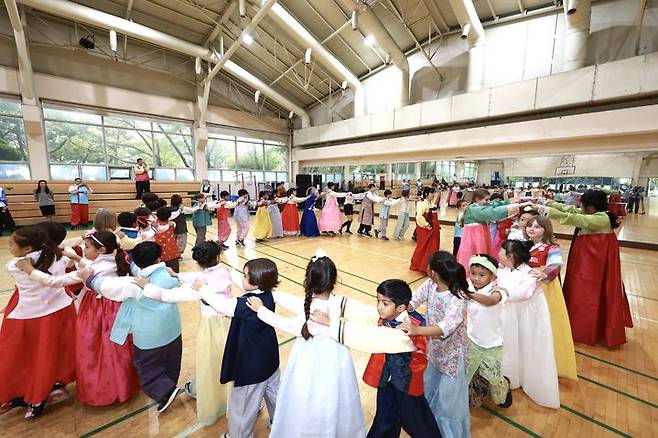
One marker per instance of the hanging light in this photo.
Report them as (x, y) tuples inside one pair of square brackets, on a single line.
[(256, 96), (197, 65), (343, 85), (113, 40), (307, 56), (291, 115), (369, 40), (355, 20), (247, 39)]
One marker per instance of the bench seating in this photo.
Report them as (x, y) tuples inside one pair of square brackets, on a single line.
[(116, 195)]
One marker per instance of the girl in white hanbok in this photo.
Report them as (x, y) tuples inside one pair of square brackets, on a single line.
[(528, 358)]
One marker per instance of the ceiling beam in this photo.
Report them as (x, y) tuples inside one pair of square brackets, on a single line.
[(84, 14), (436, 15), (522, 8), (638, 24), (26, 75), (203, 104), (493, 11), (226, 14)]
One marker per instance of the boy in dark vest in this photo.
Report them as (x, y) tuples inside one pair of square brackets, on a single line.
[(251, 354)]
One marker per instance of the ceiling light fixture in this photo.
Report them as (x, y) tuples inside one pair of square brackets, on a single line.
[(355, 20), (307, 56), (369, 40), (291, 115), (256, 96), (247, 39), (113, 40)]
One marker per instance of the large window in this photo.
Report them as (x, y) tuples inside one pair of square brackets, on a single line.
[(256, 160), (13, 144), (470, 171), (92, 146)]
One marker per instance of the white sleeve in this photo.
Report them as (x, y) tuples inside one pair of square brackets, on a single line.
[(291, 325), (176, 295), (225, 306), (289, 302), (73, 189), (374, 198), (55, 280)]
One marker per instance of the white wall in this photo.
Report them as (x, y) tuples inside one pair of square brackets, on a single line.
[(486, 170), (608, 165), (515, 52)]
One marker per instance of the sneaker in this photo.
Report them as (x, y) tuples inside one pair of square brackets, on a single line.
[(168, 400), (35, 410), (385, 238), (18, 402), (508, 400), (187, 388), (367, 233), (348, 232), (376, 233)]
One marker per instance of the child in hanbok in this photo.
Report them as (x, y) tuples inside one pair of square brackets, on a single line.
[(241, 216), (275, 213), (201, 218), (485, 329), (446, 383), (211, 396), (517, 230), (428, 231), (546, 260), (178, 212), (330, 216), (165, 237), (367, 213), (402, 224), (476, 238), (459, 226), (224, 207), (104, 370), (387, 203), (263, 225), (309, 223), (319, 395), (290, 216), (528, 358), (31, 370)]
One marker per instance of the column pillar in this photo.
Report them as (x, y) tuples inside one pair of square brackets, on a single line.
[(36, 141), (389, 175), (347, 177), (459, 170), (200, 162), (418, 170), (295, 171)]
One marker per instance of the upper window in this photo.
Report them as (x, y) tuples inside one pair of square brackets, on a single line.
[(13, 143)]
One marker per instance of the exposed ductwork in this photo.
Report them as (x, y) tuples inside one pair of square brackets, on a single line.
[(24, 64), (370, 24), (576, 33), (291, 25), (473, 31), (83, 14)]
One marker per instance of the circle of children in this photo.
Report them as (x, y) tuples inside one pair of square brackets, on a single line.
[(497, 316)]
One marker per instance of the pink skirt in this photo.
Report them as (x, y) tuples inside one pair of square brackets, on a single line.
[(330, 217), (475, 240)]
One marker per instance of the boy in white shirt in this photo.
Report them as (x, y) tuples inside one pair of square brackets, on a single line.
[(485, 328)]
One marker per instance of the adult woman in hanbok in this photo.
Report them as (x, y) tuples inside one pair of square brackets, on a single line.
[(428, 231)]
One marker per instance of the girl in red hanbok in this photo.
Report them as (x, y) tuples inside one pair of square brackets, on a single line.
[(37, 338), (428, 231)]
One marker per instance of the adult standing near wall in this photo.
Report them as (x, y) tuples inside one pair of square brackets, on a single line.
[(142, 178), (45, 199), (207, 189), (6, 221), (79, 203)]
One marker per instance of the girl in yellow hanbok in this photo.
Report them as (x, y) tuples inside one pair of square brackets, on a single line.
[(263, 227), (546, 259)]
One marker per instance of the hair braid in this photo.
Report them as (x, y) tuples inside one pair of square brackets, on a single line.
[(308, 297)]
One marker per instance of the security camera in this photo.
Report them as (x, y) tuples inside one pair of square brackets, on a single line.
[(466, 29), (572, 6)]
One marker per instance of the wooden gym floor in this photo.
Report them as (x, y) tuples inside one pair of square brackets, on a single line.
[(616, 394)]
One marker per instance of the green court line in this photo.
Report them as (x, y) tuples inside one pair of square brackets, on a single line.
[(630, 370), (143, 408), (305, 258), (119, 420), (418, 279), (640, 296), (610, 388), (595, 421), (511, 422)]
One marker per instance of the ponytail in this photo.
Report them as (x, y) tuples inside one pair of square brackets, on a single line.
[(450, 271), (614, 220), (34, 237), (121, 259)]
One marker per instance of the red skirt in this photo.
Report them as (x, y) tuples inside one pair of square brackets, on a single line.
[(105, 371), (427, 243), (290, 219), (36, 353), (594, 292)]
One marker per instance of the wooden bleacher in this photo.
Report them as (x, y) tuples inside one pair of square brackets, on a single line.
[(116, 195)]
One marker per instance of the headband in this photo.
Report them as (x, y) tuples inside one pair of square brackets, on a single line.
[(91, 236), (484, 262), (318, 255)]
